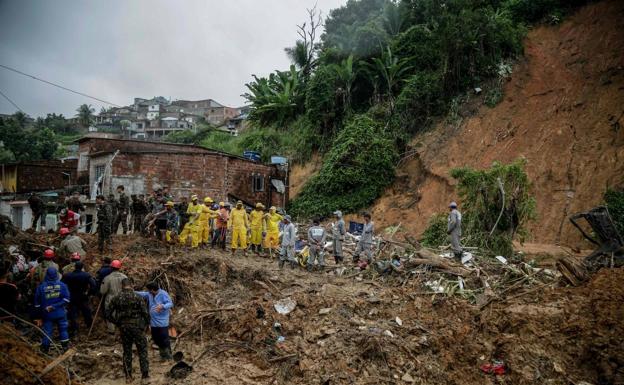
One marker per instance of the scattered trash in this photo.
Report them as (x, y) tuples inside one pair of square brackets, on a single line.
[(180, 370), (407, 378), (325, 310), (501, 259), (280, 339), (285, 306), (435, 286), (497, 367), (398, 321), (388, 333), (460, 281), (466, 257)]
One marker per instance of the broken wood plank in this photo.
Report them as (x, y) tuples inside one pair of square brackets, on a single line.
[(57, 361), (282, 358)]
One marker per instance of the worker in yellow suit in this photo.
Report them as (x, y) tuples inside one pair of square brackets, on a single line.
[(272, 220), (191, 228), (238, 224), (204, 220), (258, 228)]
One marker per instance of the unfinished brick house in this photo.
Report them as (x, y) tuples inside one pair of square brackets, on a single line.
[(144, 166)]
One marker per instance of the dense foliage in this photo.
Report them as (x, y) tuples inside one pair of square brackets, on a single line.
[(496, 205), (614, 200), (21, 142), (435, 234)]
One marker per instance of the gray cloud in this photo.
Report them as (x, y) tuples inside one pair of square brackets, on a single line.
[(117, 49)]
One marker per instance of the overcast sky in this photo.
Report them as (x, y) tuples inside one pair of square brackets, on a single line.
[(118, 49)]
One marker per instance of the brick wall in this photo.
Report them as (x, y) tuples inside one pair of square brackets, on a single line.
[(45, 175), (210, 174), (95, 145)]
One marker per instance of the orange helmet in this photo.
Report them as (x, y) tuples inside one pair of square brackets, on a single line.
[(116, 264), (75, 256), (48, 254), (64, 231)]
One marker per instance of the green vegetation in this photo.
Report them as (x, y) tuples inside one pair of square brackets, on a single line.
[(435, 234), (614, 200), (23, 143)]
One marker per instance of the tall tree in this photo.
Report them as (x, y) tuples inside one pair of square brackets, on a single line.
[(85, 115), (304, 54), (347, 75)]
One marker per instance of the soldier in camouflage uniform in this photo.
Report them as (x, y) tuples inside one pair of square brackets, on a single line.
[(129, 312), (104, 218), (123, 206), (114, 204)]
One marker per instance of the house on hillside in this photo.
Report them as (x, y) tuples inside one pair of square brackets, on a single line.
[(144, 166)]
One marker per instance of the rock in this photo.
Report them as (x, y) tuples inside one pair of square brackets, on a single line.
[(285, 306), (407, 378), (324, 310), (398, 321), (388, 333)]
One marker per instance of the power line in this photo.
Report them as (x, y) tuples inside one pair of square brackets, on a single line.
[(10, 101), (58, 85)]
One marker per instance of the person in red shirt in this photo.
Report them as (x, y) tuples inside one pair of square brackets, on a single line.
[(221, 226), (70, 220)]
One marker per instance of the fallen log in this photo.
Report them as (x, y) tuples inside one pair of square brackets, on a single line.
[(426, 257), (57, 361)]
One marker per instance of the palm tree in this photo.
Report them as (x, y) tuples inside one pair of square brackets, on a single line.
[(387, 72), (347, 75), (85, 115)]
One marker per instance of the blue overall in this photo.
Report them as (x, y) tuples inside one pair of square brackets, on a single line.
[(53, 294)]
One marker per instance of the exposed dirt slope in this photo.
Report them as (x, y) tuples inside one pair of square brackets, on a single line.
[(563, 111)]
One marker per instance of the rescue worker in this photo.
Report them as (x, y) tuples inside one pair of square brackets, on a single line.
[(289, 237), (204, 219), (191, 228), (159, 304), (69, 220), (114, 204), (80, 285), (75, 257), (128, 311), (104, 220), (71, 243), (75, 205), (138, 211), (183, 216), (454, 229), (258, 228), (238, 224), (316, 244), (51, 298), (123, 206), (39, 272), (38, 209), (170, 218), (365, 244), (338, 232), (221, 225), (272, 220), (9, 296), (111, 286), (103, 271)]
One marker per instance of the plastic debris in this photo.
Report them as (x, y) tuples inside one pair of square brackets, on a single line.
[(497, 367), (388, 333), (501, 259), (285, 306), (398, 321), (466, 257), (325, 310), (435, 286)]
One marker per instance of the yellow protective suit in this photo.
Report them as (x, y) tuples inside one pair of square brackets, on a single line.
[(272, 230), (238, 223), (191, 228), (204, 229), (256, 218)]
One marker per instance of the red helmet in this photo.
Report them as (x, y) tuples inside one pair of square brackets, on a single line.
[(116, 264), (64, 231), (48, 254), (75, 256)]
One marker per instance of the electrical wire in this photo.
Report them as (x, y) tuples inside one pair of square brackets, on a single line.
[(10, 101), (58, 85)]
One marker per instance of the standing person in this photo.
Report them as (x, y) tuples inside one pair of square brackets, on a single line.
[(272, 220), (38, 209), (39, 272), (183, 216), (203, 222), (289, 237), (103, 271), (51, 298), (220, 233), (258, 228), (114, 205), (128, 311), (75, 257), (123, 206), (9, 296), (454, 229), (71, 243), (138, 211), (316, 242), (75, 205), (191, 228), (166, 194), (338, 232), (170, 220), (365, 244), (159, 305), (104, 220), (111, 286), (81, 285), (69, 220), (239, 223)]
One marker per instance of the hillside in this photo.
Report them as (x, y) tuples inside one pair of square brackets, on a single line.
[(563, 110)]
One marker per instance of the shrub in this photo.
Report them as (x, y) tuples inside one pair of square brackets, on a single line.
[(435, 233), (614, 200), (421, 97), (355, 171)]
